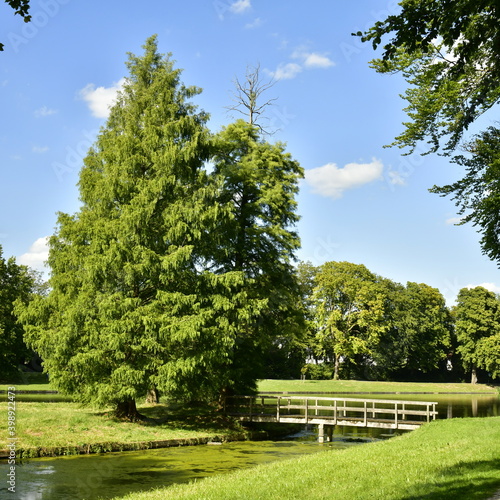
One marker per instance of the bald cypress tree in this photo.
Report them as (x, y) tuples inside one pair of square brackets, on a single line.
[(134, 304), (259, 182)]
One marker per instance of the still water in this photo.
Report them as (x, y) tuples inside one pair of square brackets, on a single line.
[(116, 474)]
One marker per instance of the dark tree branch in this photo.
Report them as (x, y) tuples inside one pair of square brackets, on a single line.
[(247, 96)]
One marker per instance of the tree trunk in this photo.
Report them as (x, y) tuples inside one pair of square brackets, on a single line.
[(473, 379), (153, 396), (128, 410), (337, 367)]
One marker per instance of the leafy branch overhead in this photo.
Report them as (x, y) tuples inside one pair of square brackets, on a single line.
[(449, 55), (21, 8)]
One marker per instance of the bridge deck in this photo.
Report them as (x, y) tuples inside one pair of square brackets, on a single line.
[(377, 413)]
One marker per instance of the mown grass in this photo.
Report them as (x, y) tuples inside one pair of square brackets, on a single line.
[(28, 387), (447, 459), (353, 386), (49, 425), (333, 386)]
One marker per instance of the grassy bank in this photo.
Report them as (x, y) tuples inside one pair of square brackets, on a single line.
[(43, 426), (446, 459), (353, 386)]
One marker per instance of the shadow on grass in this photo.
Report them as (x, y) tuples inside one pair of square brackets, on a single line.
[(455, 482), (183, 416)]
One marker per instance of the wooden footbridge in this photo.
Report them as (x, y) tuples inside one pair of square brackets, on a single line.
[(322, 411)]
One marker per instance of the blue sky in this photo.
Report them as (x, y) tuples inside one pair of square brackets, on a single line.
[(360, 202)]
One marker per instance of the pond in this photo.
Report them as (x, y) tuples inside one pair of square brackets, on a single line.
[(112, 474)]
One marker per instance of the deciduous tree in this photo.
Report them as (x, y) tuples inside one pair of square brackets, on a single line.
[(449, 54), (349, 311), (17, 283), (477, 326), (424, 325)]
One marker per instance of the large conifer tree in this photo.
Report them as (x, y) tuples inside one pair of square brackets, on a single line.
[(133, 305)]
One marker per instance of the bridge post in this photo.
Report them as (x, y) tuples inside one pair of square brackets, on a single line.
[(321, 433)]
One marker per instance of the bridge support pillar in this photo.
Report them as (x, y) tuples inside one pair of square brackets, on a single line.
[(325, 433), (321, 433)]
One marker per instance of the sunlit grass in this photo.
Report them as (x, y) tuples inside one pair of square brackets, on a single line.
[(352, 386), (48, 425), (27, 387), (448, 459)]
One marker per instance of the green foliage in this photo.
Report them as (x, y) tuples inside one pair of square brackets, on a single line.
[(17, 283), (132, 306), (477, 326), (349, 311), (320, 371), (258, 184), (369, 327), (21, 8), (448, 52), (476, 194), (422, 329)]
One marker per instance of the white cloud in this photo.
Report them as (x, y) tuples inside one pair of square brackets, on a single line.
[(100, 99), (40, 149), (240, 6), (312, 60), (331, 181), (306, 60), (44, 111), (453, 220), (36, 255), (286, 71)]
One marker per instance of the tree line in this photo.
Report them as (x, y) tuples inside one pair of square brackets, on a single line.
[(362, 325)]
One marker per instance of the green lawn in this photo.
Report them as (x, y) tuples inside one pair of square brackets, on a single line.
[(353, 386), (447, 459), (49, 425), (332, 386), (28, 387)]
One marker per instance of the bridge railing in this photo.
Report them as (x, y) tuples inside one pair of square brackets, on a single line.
[(333, 411)]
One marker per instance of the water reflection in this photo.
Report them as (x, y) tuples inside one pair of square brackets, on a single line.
[(459, 405)]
